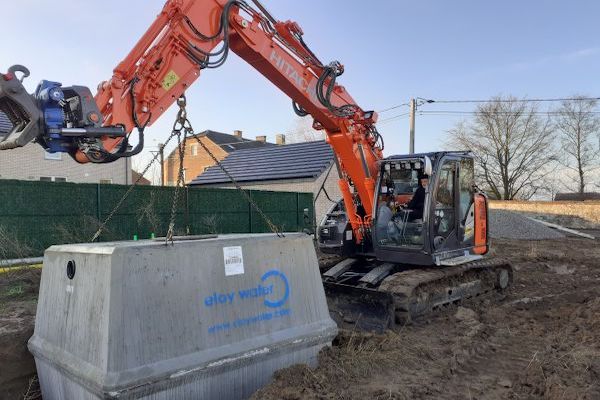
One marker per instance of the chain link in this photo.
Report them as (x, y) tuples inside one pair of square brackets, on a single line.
[(127, 193), (183, 127)]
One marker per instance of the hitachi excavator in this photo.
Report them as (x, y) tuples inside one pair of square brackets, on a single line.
[(396, 261)]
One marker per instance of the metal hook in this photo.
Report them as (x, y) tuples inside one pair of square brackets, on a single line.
[(181, 101), (19, 68)]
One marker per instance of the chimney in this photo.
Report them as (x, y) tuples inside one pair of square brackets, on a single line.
[(237, 134), (262, 139), (280, 139)]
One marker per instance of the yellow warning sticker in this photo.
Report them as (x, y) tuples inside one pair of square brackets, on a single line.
[(170, 80)]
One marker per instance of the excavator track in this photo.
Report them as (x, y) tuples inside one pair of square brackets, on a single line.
[(407, 294)]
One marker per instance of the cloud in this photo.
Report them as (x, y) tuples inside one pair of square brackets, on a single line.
[(582, 53)]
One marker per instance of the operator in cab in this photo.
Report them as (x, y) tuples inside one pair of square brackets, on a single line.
[(417, 203)]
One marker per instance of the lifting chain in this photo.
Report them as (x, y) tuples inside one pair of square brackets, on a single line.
[(244, 193), (182, 129), (127, 193)]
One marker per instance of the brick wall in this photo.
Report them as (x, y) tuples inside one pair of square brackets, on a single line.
[(195, 160), (30, 163)]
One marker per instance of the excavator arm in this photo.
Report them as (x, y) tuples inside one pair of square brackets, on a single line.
[(188, 37)]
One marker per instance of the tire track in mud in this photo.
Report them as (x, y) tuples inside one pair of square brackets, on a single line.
[(492, 362), (505, 351)]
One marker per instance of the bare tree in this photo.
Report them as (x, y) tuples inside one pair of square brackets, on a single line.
[(302, 131), (578, 126), (148, 212), (512, 144)]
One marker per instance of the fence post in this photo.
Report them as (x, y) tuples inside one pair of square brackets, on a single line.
[(298, 224), (98, 214), (250, 212)]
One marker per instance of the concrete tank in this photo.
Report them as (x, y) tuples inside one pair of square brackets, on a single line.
[(200, 319)]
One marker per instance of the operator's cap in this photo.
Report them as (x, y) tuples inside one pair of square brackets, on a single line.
[(423, 176)]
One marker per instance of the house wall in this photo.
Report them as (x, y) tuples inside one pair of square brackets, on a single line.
[(322, 204), (193, 164), (30, 163)]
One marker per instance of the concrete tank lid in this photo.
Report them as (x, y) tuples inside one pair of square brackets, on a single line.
[(109, 247)]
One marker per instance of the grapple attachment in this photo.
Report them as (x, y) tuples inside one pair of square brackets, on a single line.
[(60, 119), (20, 109)]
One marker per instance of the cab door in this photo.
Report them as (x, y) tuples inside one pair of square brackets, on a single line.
[(466, 206), (443, 224)]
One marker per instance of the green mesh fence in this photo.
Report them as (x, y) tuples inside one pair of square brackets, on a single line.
[(35, 215)]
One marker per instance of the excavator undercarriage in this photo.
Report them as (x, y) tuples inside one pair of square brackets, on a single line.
[(378, 297)]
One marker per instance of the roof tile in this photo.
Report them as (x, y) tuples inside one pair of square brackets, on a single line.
[(291, 161)]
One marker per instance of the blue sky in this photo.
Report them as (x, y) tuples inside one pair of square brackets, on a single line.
[(392, 50)]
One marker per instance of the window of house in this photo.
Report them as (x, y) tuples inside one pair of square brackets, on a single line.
[(106, 181), (53, 156), (59, 179), (46, 178), (194, 150)]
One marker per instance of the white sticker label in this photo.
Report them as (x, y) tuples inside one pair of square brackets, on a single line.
[(348, 235), (70, 289), (234, 260)]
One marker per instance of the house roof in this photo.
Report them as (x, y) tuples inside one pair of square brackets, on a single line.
[(139, 178), (291, 161), (229, 143), (5, 124)]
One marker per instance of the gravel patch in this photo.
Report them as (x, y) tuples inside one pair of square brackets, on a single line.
[(511, 225)]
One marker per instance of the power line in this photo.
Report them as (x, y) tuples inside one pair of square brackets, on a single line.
[(393, 108), (517, 100), (450, 112), (393, 117), (492, 101)]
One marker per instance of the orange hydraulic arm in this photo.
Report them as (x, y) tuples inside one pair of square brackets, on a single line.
[(189, 36)]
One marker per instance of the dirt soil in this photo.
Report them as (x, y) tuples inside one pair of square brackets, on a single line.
[(541, 340), (18, 299)]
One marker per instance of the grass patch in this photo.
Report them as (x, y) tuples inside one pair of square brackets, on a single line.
[(13, 290)]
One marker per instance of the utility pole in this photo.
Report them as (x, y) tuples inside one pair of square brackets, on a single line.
[(161, 157), (412, 112)]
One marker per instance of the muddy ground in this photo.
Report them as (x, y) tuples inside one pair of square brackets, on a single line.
[(18, 300), (541, 340)]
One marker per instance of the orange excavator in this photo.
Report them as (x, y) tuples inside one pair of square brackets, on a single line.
[(411, 230)]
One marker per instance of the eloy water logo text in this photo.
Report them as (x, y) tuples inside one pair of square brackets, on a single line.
[(263, 289), (266, 290)]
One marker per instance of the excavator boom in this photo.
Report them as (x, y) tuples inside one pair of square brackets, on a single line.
[(187, 38)]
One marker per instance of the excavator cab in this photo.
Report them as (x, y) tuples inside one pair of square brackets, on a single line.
[(449, 224), (439, 227)]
